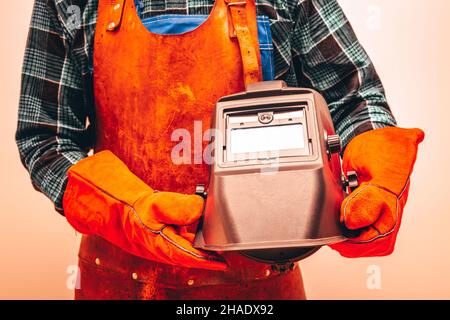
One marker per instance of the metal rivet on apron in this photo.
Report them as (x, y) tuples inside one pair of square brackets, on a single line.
[(111, 26), (117, 6), (134, 276), (267, 273), (97, 261), (190, 282)]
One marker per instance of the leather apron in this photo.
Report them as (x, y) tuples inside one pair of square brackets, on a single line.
[(146, 87)]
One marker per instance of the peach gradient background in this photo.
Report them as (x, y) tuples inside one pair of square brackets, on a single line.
[(409, 43)]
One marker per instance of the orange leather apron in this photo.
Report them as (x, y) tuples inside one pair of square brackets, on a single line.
[(146, 87)]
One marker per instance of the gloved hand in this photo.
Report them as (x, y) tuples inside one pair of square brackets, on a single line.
[(383, 159), (103, 197)]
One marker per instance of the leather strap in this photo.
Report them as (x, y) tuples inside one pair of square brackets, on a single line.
[(240, 29), (116, 8)]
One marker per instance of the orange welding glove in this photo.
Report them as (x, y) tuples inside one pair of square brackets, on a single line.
[(384, 160), (103, 197)]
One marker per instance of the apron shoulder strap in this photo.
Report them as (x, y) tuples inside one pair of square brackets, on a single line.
[(248, 45), (113, 11)]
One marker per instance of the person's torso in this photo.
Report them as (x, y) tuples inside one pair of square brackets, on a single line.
[(276, 18), (148, 87)]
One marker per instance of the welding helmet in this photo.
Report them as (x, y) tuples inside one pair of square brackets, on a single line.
[(275, 186)]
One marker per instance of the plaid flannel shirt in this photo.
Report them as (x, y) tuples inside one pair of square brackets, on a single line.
[(314, 46)]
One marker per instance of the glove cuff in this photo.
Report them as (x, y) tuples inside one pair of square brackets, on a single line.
[(99, 188), (384, 157)]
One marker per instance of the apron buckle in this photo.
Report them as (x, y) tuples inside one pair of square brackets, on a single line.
[(233, 3)]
